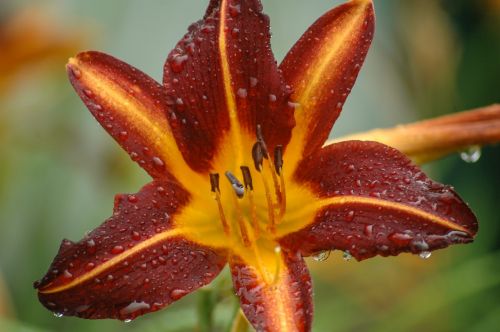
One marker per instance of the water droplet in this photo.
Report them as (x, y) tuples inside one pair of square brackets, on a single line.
[(88, 93), (321, 256), (123, 135), (126, 321), (272, 98), (132, 199), (158, 164), (178, 62), (76, 72), (471, 154), (133, 307), (67, 274), (253, 82), (234, 10), (350, 216), (58, 314), (117, 250), (242, 93), (425, 254), (347, 256), (400, 239), (176, 294), (91, 246), (136, 236)]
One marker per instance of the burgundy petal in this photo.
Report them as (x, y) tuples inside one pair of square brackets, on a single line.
[(377, 202), (224, 79), (135, 262)]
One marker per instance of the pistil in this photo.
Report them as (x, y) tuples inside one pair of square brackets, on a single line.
[(278, 165)]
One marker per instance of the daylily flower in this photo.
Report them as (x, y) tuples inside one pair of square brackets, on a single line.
[(234, 146)]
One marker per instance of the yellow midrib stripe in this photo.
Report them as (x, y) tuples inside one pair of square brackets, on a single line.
[(163, 138), (342, 200), (325, 60), (235, 129), (115, 260)]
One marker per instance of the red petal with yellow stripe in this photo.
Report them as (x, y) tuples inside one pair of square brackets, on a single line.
[(224, 80), (136, 262), (284, 304), (322, 67), (131, 107), (373, 200)]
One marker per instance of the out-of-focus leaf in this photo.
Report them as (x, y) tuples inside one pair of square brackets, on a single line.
[(470, 278), (14, 326)]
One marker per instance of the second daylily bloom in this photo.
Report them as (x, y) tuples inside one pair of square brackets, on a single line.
[(234, 146)]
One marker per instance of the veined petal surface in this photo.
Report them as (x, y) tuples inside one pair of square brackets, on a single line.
[(224, 80), (135, 262), (372, 200)]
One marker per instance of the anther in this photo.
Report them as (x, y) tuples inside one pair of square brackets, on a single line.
[(247, 178), (260, 138), (278, 158), (236, 184), (258, 155), (214, 182)]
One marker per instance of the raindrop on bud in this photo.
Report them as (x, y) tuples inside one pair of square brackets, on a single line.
[(471, 154)]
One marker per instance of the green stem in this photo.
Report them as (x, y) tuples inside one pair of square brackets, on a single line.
[(206, 306)]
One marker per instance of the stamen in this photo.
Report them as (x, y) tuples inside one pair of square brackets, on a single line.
[(270, 205), (214, 183), (278, 158), (260, 139), (238, 188), (239, 214), (257, 155), (278, 165), (247, 179)]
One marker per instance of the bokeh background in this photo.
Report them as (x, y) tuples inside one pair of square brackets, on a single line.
[(59, 170)]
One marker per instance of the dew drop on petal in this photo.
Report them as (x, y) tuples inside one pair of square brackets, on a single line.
[(128, 320), (158, 164), (133, 307), (242, 93), (177, 62), (321, 256), (176, 294), (425, 254), (471, 154), (117, 250)]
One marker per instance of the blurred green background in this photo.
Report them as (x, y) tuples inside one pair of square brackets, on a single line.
[(59, 170)]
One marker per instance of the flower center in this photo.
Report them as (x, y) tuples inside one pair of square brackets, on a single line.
[(249, 226)]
